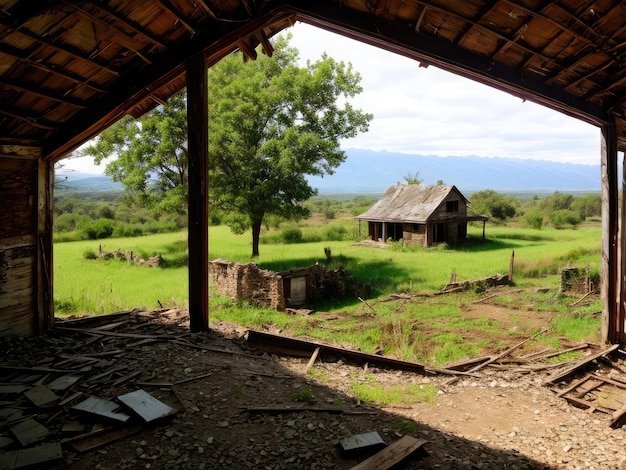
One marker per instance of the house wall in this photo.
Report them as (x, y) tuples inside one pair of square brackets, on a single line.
[(414, 234), (25, 241), (441, 215), (247, 281)]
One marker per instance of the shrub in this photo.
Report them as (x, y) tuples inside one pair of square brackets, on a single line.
[(534, 219), (291, 235), (335, 233), (101, 228), (90, 253), (563, 217)]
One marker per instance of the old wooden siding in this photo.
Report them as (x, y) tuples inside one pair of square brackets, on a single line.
[(440, 215), (18, 245), (414, 234)]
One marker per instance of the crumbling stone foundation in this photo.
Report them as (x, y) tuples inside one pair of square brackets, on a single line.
[(240, 281)]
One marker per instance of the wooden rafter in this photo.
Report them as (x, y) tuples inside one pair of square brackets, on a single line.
[(138, 29), (173, 11), (35, 122), (41, 93), (69, 51), (49, 68), (486, 8)]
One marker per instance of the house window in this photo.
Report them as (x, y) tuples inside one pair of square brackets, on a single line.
[(452, 206)]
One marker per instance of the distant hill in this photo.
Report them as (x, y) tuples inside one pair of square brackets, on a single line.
[(75, 182), (369, 171)]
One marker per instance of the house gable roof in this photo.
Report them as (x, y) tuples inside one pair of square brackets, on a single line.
[(410, 203)]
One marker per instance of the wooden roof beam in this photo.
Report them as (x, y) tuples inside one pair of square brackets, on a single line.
[(68, 51), (173, 11), (49, 68), (207, 9), (123, 97), (41, 93), (35, 122), (486, 8), (131, 25), (441, 53)]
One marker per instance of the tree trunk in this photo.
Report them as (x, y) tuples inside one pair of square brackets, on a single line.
[(256, 233)]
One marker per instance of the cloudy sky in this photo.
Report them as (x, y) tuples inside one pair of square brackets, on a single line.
[(431, 112)]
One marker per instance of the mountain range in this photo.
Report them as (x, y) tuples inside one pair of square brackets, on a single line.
[(374, 171), (369, 171)]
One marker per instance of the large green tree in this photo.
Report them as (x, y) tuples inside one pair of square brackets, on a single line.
[(150, 156), (271, 123)]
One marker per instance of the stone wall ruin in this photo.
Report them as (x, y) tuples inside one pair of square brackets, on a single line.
[(240, 281)]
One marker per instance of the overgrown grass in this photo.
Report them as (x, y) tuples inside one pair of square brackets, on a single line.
[(396, 395), (431, 330)]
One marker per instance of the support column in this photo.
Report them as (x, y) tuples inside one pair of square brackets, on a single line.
[(612, 306), (45, 198), (198, 200)]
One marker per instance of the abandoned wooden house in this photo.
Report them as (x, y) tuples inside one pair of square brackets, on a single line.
[(70, 69), (420, 215)]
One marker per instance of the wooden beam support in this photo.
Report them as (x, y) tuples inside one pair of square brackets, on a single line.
[(198, 226), (611, 289)]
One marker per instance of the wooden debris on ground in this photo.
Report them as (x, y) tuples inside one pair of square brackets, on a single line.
[(391, 455), (49, 403), (491, 281)]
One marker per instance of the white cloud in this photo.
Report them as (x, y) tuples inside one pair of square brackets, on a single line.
[(430, 111)]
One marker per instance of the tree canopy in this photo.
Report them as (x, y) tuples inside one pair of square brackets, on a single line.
[(271, 123)]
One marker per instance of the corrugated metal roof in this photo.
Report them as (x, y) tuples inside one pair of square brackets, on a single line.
[(410, 203)]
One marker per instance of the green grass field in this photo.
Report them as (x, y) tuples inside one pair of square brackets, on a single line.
[(85, 286)]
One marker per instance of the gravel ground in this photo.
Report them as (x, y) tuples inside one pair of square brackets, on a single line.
[(499, 420)]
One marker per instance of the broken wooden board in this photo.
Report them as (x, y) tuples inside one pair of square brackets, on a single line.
[(146, 406), (30, 457), (11, 389), (104, 438), (64, 382), (303, 348), (578, 364), (101, 407), (29, 431), (366, 442), (392, 454), (40, 396), (618, 419)]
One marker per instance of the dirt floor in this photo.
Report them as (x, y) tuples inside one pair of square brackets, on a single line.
[(234, 406)]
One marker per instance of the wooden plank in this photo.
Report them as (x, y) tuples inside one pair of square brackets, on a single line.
[(146, 406), (392, 454), (64, 382), (618, 419), (29, 458), (578, 364), (41, 396), (313, 358), (102, 439), (29, 431), (304, 348), (101, 407), (368, 441), (12, 389)]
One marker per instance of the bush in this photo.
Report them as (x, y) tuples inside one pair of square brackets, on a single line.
[(335, 233), (90, 253), (291, 235), (101, 228), (563, 217), (534, 219)]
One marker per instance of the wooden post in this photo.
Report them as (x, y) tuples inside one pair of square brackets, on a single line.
[(611, 288), (45, 197), (511, 266), (198, 200)]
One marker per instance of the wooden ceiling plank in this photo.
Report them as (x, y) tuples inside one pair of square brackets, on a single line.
[(41, 93), (207, 9), (486, 8), (158, 42), (172, 10), (400, 40), (588, 76), (418, 24), (71, 53), (54, 70), (171, 65), (35, 122), (110, 27)]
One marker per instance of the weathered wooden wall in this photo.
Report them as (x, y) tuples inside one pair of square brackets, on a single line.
[(25, 241), (18, 245)]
